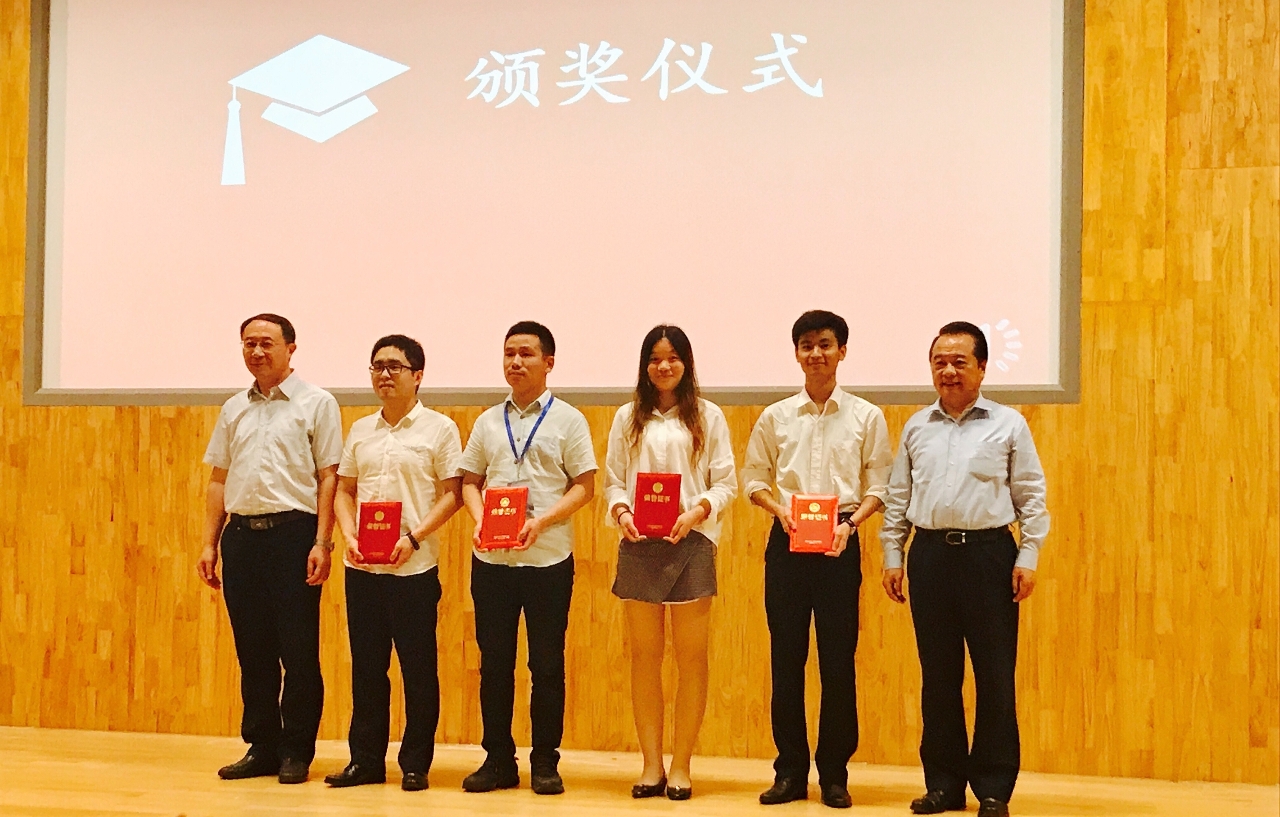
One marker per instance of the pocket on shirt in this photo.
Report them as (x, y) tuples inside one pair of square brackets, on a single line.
[(415, 454), (989, 463)]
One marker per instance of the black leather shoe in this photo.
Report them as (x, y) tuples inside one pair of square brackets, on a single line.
[(356, 775), (642, 791), (413, 781), (544, 778), (679, 792), (294, 771), (785, 790), (937, 801), (991, 807), (253, 764), (489, 777), (836, 796)]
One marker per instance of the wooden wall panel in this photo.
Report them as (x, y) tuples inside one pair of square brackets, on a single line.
[(1149, 649)]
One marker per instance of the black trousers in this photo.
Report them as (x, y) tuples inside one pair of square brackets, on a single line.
[(500, 594), (963, 594), (798, 586), (385, 610), (275, 618)]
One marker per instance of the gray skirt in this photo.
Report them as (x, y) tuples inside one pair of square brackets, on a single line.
[(658, 572)]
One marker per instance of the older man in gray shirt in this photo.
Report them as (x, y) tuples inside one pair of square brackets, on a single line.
[(966, 470)]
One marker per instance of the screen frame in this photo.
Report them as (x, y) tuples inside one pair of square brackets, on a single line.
[(1067, 389)]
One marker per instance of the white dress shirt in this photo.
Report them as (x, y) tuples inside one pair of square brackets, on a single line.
[(405, 463), (273, 445), (838, 449), (560, 452), (666, 447), (975, 473)]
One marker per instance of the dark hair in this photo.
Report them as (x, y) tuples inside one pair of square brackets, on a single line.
[(965, 328), (646, 399), (286, 328), (411, 348), (542, 333), (815, 320)]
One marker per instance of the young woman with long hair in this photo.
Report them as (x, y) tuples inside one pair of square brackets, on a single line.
[(668, 429)]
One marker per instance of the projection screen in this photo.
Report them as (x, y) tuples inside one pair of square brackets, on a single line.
[(445, 168)]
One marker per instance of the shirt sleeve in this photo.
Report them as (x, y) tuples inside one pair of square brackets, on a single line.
[(722, 470), (347, 466), (218, 454), (896, 528), (877, 458), (448, 459), (617, 461), (1027, 487), (474, 459), (326, 439), (579, 452), (759, 469)]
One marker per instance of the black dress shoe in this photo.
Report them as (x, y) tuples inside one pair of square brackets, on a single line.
[(937, 801), (489, 777), (253, 764), (836, 796), (785, 790), (356, 775), (544, 778), (294, 771), (991, 807), (413, 781), (679, 792), (641, 791)]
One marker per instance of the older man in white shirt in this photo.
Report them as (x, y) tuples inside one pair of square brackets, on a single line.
[(966, 470), (269, 514)]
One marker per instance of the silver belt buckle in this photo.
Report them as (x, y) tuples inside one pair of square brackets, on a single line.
[(260, 523), (955, 537)]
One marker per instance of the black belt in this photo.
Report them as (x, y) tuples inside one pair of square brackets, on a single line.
[(267, 521), (964, 537)]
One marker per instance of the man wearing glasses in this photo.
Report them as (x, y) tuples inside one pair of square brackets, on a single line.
[(269, 509), (406, 454)]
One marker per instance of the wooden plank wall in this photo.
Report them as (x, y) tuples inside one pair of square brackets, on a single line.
[(1150, 648)]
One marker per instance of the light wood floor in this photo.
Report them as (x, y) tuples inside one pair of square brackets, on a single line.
[(50, 772)]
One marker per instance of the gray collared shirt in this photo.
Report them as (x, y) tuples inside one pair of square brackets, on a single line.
[(975, 473)]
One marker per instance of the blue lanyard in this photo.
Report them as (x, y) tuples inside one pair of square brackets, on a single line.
[(506, 418)]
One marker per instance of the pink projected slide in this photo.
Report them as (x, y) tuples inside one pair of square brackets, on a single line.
[(446, 168)]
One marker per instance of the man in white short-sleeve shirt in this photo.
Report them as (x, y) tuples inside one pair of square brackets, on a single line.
[(269, 514), (405, 454), (533, 440)]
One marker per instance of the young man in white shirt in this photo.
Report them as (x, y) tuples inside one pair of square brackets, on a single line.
[(409, 454), (821, 441), (269, 515), (534, 440)]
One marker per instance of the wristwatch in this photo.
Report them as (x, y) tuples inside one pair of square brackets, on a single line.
[(413, 540), (327, 544)]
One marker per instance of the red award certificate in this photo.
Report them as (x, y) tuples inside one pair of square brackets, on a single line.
[(379, 531), (657, 504), (504, 514), (815, 518)]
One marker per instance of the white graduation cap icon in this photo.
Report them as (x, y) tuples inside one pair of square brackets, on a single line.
[(318, 90)]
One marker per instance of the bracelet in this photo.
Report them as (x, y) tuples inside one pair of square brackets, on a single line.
[(327, 544), (413, 540), (846, 518), (617, 517)]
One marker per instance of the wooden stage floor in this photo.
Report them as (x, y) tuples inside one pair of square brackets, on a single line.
[(51, 772)]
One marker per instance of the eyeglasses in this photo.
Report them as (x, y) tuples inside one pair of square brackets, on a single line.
[(393, 368)]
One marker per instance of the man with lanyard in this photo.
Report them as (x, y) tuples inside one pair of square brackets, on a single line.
[(269, 508), (533, 440), (828, 442), (407, 454), (966, 470)]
